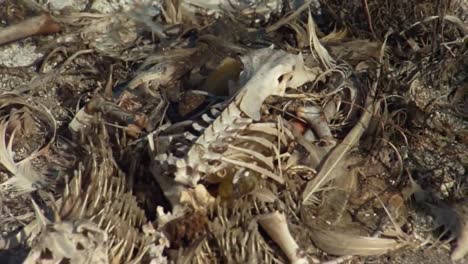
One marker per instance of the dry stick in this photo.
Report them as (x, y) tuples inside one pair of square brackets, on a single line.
[(452, 19), (288, 18), (43, 24), (369, 19)]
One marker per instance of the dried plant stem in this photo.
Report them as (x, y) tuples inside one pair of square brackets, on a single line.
[(43, 24), (369, 19), (285, 20), (452, 19)]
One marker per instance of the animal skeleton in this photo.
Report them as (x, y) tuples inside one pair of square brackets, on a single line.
[(97, 220), (237, 136)]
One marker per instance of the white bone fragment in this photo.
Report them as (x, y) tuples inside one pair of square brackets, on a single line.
[(276, 226)]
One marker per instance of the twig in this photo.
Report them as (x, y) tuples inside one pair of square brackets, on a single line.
[(452, 19), (285, 20), (369, 19), (43, 24)]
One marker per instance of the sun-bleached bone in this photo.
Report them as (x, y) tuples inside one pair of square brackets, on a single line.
[(266, 72), (76, 242), (229, 139), (270, 73), (276, 226)]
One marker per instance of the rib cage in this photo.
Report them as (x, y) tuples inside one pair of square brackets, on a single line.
[(237, 137), (229, 140), (98, 218)]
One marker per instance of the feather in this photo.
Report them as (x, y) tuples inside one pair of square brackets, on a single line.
[(336, 200), (327, 170), (25, 178), (315, 45), (339, 243)]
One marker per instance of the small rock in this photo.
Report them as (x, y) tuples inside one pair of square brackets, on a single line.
[(111, 6), (72, 5), (18, 54), (189, 103)]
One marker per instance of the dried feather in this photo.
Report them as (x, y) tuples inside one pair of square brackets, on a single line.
[(172, 12), (339, 243), (166, 56), (336, 200), (41, 114), (326, 172), (23, 122), (6, 152), (335, 36), (40, 217), (25, 178), (316, 47)]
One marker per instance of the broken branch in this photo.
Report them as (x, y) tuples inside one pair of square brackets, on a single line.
[(43, 24)]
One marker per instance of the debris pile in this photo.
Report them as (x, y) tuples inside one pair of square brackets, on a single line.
[(183, 131)]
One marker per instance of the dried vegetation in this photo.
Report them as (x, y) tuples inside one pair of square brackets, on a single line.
[(249, 131)]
